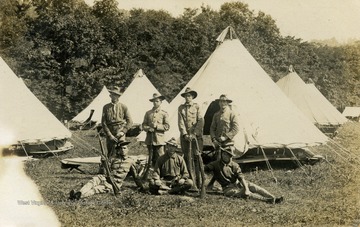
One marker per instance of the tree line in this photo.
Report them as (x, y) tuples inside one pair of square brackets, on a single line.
[(65, 50)]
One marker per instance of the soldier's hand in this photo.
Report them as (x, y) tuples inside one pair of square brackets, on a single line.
[(113, 138), (222, 138), (181, 181), (187, 137), (151, 129), (121, 134), (247, 193)]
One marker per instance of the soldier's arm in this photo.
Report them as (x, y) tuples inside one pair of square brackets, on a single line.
[(183, 169), (213, 128), (165, 126), (145, 124), (181, 122), (128, 119), (234, 126), (104, 124), (199, 122)]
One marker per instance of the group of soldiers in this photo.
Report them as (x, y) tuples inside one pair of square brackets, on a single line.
[(169, 169)]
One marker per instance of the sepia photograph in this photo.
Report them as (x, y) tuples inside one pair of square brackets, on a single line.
[(179, 113)]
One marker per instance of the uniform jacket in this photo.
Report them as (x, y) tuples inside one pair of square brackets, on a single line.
[(170, 166), (115, 119), (224, 123), (120, 168), (159, 120), (225, 174), (190, 120)]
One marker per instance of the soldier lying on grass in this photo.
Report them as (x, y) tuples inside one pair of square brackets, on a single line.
[(120, 166), (170, 173), (232, 181)]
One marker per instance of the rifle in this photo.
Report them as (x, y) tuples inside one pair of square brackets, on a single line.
[(109, 177), (202, 172), (148, 164)]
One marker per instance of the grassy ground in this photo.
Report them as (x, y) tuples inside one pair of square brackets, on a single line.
[(325, 194)]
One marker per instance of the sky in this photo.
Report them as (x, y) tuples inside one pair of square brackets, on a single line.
[(305, 19)]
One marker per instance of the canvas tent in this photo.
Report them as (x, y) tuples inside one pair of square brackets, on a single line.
[(268, 117), (24, 120), (96, 106), (352, 113), (135, 97), (311, 102)]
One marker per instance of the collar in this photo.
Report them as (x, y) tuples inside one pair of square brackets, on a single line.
[(189, 104), (225, 109), (156, 109)]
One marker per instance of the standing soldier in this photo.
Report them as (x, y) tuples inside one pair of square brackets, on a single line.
[(156, 123), (116, 120), (191, 124), (224, 127)]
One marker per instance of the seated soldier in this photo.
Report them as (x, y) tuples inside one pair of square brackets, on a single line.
[(232, 181), (170, 173), (120, 166)]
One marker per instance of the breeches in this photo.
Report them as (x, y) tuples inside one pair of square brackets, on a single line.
[(157, 151)]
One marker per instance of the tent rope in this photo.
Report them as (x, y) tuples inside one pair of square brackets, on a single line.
[(268, 164), (298, 162)]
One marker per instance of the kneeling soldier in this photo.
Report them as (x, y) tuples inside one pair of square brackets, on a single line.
[(170, 173)]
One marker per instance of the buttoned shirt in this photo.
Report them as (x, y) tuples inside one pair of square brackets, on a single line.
[(224, 123), (115, 119), (190, 120), (170, 166), (157, 119), (225, 174), (120, 168)]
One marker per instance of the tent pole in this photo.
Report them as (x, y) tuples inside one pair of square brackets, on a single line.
[(22, 145), (268, 164)]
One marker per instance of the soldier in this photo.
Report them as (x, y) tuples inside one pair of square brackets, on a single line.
[(232, 181), (116, 120), (191, 124), (120, 166), (156, 123), (170, 173), (224, 125)]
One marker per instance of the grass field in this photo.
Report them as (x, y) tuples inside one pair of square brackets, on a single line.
[(324, 194)]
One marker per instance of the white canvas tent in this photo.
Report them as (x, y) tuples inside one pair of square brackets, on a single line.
[(352, 113), (97, 104), (23, 118), (136, 98), (310, 101), (269, 118)]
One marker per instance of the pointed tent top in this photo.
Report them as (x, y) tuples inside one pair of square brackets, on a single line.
[(291, 69), (139, 73), (227, 31)]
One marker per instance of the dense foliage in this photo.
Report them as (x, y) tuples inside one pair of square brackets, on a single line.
[(66, 50)]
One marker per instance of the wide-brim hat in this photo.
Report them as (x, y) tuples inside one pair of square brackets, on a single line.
[(224, 98), (115, 90), (157, 96), (173, 142), (189, 91), (122, 143), (228, 147)]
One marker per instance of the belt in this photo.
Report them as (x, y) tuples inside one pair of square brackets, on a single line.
[(115, 123)]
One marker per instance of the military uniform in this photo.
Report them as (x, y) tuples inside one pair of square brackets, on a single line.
[(120, 168), (190, 122), (224, 123), (115, 119), (229, 177), (170, 173), (157, 119)]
